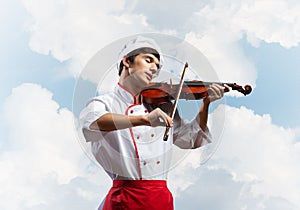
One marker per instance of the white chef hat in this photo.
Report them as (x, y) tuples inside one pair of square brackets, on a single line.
[(139, 45)]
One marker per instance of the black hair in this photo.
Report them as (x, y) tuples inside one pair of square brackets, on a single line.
[(131, 56)]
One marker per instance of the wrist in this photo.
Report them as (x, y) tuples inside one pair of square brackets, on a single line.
[(206, 101), (145, 120)]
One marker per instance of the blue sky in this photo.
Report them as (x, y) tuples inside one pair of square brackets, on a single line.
[(44, 47), (276, 82)]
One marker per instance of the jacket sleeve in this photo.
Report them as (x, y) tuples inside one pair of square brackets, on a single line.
[(186, 133), (94, 109)]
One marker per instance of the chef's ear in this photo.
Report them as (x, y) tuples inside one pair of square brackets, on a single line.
[(125, 62)]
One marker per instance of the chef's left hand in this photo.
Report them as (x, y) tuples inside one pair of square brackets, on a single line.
[(215, 92)]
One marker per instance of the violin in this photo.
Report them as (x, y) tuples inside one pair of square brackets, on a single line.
[(158, 93)]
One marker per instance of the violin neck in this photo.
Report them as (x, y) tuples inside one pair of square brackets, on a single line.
[(205, 84)]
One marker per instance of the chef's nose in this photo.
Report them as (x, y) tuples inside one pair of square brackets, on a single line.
[(155, 72), (155, 68)]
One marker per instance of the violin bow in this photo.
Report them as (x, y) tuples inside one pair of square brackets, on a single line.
[(174, 107)]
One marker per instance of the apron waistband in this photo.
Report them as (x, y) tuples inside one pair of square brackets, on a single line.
[(139, 183)]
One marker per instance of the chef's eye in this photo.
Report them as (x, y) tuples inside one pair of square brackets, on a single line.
[(149, 60)]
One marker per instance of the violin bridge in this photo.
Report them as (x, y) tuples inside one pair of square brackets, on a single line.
[(171, 82)]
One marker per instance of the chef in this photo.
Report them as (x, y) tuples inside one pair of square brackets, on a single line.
[(127, 136)]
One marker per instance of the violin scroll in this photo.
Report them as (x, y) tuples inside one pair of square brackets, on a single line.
[(246, 90)]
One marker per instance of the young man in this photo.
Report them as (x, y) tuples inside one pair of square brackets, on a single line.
[(127, 137)]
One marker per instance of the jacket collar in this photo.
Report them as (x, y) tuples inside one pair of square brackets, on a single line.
[(125, 94)]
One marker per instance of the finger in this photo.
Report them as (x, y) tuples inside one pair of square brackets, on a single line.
[(220, 90), (161, 118), (226, 88), (216, 91), (168, 120)]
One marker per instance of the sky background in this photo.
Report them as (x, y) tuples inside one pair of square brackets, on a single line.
[(44, 45)]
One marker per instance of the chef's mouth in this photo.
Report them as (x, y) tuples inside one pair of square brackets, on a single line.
[(149, 75)]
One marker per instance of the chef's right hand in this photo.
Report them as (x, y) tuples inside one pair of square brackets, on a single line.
[(159, 118)]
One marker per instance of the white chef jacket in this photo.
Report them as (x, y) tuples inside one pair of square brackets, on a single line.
[(136, 153)]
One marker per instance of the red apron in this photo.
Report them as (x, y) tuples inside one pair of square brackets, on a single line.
[(139, 195)]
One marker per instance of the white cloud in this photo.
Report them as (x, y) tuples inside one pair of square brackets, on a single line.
[(255, 167), (78, 29), (266, 152), (270, 21), (226, 57), (217, 28), (42, 164)]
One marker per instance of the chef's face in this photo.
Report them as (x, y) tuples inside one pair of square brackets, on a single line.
[(144, 68)]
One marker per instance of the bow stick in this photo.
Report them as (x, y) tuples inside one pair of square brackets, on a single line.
[(172, 114)]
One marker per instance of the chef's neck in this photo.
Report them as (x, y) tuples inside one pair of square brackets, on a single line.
[(131, 84)]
